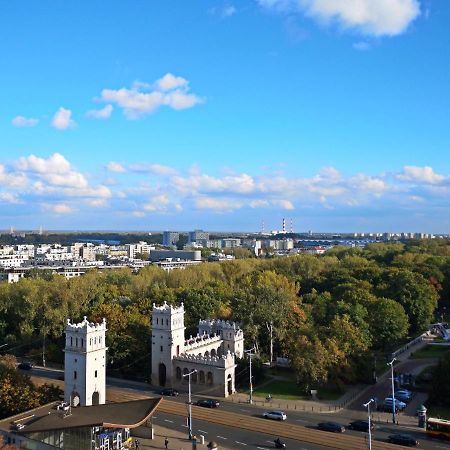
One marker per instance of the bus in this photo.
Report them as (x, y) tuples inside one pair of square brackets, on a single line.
[(438, 428)]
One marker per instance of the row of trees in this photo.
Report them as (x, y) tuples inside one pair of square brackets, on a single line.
[(327, 314)]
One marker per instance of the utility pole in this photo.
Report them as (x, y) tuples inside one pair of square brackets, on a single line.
[(43, 348), (393, 389), (367, 405), (250, 370), (190, 403)]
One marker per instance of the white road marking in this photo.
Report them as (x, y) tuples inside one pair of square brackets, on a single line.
[(202, 431), (245, 410), (167, 420), (262, 448), (221, 437), (183, 425), (241, 443)]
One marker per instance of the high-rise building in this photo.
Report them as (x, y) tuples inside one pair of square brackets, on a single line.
[(198, 235), (170, 238)]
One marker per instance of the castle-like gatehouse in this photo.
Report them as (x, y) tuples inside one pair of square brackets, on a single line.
[(211, 353)]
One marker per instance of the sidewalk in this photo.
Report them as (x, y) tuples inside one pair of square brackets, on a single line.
[(177, 440)]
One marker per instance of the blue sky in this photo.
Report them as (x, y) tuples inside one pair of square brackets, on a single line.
[(149, 115)]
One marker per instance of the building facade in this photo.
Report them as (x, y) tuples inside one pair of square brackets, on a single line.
[(211, 353), (85, 363)]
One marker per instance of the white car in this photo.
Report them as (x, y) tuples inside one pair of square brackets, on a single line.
[(275, 415)]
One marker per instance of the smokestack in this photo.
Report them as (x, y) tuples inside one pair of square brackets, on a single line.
[(284, 226)]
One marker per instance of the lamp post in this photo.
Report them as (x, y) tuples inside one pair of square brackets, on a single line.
[(189, 402), (367, 405), (250, 370), (393, 389)]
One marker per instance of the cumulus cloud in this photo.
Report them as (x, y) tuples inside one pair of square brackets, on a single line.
[(58, 208), (157, 169), (218, 204), (170, 90), (115, 167), (11, 179), (370, 17), (22, 122), (62, 120), (203, 183), (9, 197), (157, 203), (104, 113), (170, 81), (416, 174)]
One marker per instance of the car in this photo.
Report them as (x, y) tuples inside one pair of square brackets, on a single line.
[(275, 415), (360, 425), (208, 403), (334, 427), (403, 439), (399, 404), (25, 366), (387, 407), (404, 391), (169, 392), (402, 397)]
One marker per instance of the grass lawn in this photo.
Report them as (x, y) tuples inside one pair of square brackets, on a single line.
[(438, 412), (288, 390), (431, 351), (280, 389)]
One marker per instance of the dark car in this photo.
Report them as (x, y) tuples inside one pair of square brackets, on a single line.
[(331, 426), (360, 425), (402, 397), (208, 403), (25, 366), (403, 439), (169, 392)]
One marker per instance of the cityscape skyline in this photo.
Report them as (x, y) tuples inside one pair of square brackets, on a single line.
[(224, 115)]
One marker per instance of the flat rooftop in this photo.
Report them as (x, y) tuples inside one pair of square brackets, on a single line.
[(111, 415)]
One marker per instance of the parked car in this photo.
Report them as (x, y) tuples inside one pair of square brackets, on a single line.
[(361, 425), (402, 397), (331, 426), (399, 404), (169, 392), (208, 403), (275, 415), (404, 391), (25, 366), (403, 439), (387, 407)]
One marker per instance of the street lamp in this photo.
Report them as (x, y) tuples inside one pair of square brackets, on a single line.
[(250, 370), (190, 402), (367, 405), (393, 391)]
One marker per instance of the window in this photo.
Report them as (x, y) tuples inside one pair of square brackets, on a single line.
[(157, 321), (167, 322), (178, 350), (95, 374), (82, 342), (76, 342), (161, 348), (74, 374), (71, 341), (202, 377), (178, 373)]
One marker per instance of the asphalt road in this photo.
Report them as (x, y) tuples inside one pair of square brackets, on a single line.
[(304, 418)]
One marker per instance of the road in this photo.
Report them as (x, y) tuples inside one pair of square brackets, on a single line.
[(236, 437)]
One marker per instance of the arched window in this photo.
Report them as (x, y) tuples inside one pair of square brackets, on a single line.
[(206, 354), (76, 342), (213, 352), (71, 341), (194, 377), (178, 373), (178, 350), (202, 377), (82, 342), (209, 378), (157, 321), (167, 322)]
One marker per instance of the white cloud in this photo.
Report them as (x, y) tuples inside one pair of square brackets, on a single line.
[(157, 169), (259, 203), (21, 121), (217, 204), (55, 163), (9, 197), (58, 208), (284, 204), (371, 17), (62, 120), (170, 90), (228, 11), (170, 81), (13, 180), (157, 203), (203, 183), (115, 167), (104, 113), (416, 174), (138, 214)]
